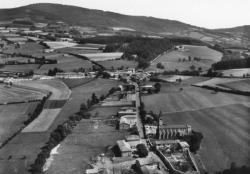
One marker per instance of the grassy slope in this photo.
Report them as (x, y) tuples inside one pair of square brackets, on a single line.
[(242, 85), (170, 60)]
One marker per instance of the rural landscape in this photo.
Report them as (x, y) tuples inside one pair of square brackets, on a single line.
[(94, 92)]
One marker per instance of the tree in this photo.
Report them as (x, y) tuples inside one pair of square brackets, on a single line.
[(94, 98), (160, 66), (83, 107), (157, 87), (142, 150), (192, 67), (189, 58)]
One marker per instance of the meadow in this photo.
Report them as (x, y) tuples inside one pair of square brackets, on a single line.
[(118, 63), (171, 61)]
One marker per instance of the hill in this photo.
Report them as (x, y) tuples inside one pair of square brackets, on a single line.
[(44, 12), (104, 21)]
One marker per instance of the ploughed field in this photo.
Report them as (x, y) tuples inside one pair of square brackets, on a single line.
[(170, 59), (222, 118)]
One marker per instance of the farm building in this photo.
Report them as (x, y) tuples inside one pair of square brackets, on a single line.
[(129, 111), (124, 147), (127, 121), (70, 75)]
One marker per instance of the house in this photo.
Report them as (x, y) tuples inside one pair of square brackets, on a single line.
[(124, 147), (129, 138), (127, 121)]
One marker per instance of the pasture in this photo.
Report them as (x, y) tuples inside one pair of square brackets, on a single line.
[(222, 118), (76, 151), (226, 134), (118, 63), (241, 85), (103, 56), (12, 118), (24, 68), (43, 121), (17, 93), (235, 72), (59, 91), (174, 59), (66, 63), (59, 44)]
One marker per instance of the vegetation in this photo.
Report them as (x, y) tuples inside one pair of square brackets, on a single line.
[(232, 63), (142, 150), (236, 170), (194, 140)]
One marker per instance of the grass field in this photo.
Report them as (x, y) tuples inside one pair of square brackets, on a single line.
[(12, 118), (226, 134), (72, 83), (76, 150), (103, 56), (20, 68), (65, 63), (43, 121), (78, 51), (118, 63), (222, 118), (170, 60), (19, 94), (59, 44), (242, 85), (59, 90), (235, 72)]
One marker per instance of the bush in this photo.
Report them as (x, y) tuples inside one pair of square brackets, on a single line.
[(142, 150)]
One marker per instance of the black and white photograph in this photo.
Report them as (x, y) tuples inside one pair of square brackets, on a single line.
[(124, 86)]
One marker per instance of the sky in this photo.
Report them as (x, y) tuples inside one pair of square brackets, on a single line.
[(203, 13)]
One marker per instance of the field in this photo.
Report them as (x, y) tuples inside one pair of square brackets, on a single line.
[(58, 89), (242, 85), (235, 72), (65, 63), (28, 144), (12, 118), (43, 121), (117, 64), (76, 50), (173, 78), (30, 48), (171, 59), (214, 82), (76, 150), (19, 94), (222, 118), (57, 45), (20, 68), (72, 83), (103, 56)]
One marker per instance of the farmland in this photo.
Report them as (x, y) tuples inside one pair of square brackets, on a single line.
[(242, 85), (65, 63), (12, 118), (221, 114), (58, 89), (235, 72), (103, 56), (57, 45), (174, 59), (43, 121), (17, 93), (117, 64), (29, 143), (75, 152), (25, 68)]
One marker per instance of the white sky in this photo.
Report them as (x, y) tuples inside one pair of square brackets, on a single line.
[(203, 13)]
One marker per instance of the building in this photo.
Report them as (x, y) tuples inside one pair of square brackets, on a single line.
[(127, 121), (172, 131), (70, 75), (129, 111), (124, 147)]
